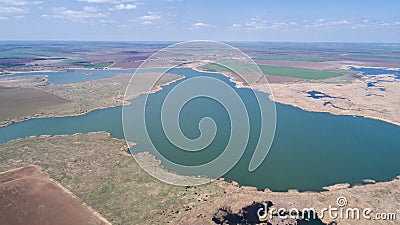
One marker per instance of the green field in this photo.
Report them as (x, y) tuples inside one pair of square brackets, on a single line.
[(373, 56), (77, 61), (98, 65), (298, 72), (238, 67), (290, 58), (29, 53), (87, 63)]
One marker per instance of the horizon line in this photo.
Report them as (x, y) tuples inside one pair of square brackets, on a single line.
[(176, 41)]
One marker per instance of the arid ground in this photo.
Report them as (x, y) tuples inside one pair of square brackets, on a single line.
[(29, 196), (27, 98), (97, 169)]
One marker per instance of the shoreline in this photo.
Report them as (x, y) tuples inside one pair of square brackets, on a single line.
[(238, 84), (324, 189), (123, 102), (343, 113), (337, 114), (372, 67), (151, 158), (10, 122), (71, 170), (10, 73)]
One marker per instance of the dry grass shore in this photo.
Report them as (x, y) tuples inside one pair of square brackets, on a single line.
[(96, 168), (345, 95), (352, 97), (73, 99), (382, 198)]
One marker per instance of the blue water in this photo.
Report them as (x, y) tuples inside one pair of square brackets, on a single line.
[(310, 150), (80, 75), (376, 71), (318, 95)]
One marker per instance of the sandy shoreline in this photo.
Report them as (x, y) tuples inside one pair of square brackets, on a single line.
[(337, 114), (370, 194), (373, 67), (286, 102), (239, 84), (67, 114), (9, 73), (155, 162)]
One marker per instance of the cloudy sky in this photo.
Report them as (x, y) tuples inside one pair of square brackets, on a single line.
[(223, 20)]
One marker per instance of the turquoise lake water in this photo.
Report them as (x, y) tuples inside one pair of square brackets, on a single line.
[(310, 150), (80, 75)]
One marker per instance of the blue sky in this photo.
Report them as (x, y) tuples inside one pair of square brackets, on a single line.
[(223, 20)]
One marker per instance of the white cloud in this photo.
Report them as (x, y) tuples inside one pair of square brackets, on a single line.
[(90, 9), (364, 23), (150, 17), (3, 18), (146, 22), (105, 22), (12, 10), (340, 22), (78, 15), (200, 24), (125, 6), (315, 24), (17, 6), (21, 2), (351, 23), (326, 23), (99, 1), (19, 17), (258, 23), (107, 1)]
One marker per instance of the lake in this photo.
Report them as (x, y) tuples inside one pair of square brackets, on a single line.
[(80, 75), (377, 71), (310, 150)]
